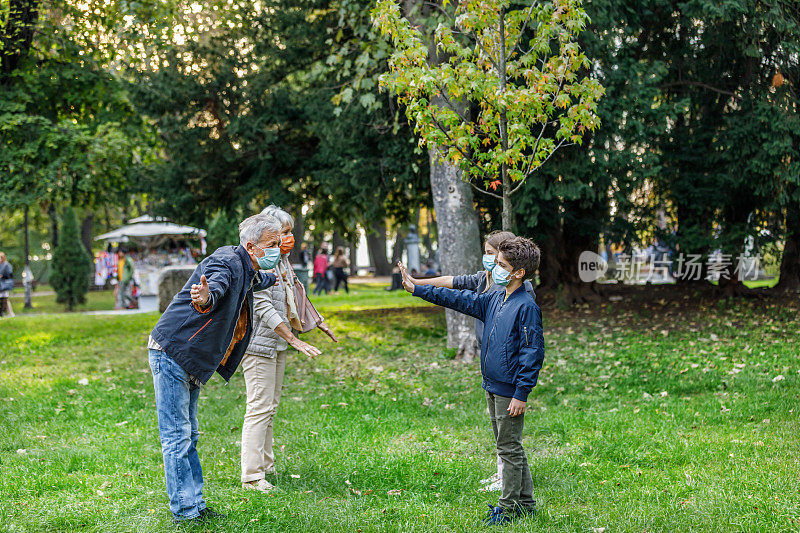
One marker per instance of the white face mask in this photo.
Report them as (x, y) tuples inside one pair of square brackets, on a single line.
[(501, 276)]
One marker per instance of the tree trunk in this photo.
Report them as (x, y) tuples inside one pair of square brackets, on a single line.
[(337, 242), (790, 262), (51, 212), (299, 233), (87, 225), (397, 249), (508, 208), (459, 243), (353, 259), (376, 244), (578, 233), (693, 225)]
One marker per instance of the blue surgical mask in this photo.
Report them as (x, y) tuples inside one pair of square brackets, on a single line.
[(488, 262), (501, 276), (270, 259)]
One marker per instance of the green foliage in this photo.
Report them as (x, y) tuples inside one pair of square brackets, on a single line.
[(520, 71), (72, 264), (67, 130), (223, 230)]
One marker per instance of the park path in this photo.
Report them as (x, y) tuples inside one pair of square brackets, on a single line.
[(147, 304)]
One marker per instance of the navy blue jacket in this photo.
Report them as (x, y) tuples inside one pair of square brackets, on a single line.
[(477, 282), (198, 339), (512, 348)]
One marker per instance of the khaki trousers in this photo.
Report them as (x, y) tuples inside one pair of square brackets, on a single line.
[(517, 492), (263, 379)]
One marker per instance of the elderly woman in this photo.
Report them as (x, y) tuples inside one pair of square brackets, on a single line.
[(274, 322)]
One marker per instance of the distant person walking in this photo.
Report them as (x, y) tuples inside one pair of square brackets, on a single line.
[(305, 255), (321, 272), (6, 286), (340, 263), (125, 272)]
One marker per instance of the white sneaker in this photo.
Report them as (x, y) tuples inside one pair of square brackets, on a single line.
[(497, 486), (491, 479), (261, 485)]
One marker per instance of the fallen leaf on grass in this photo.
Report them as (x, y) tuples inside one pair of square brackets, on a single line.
[(778, 378), (394, 492), (295, 476), (83, 381)]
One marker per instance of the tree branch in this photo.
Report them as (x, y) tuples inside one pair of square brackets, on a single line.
[(484, 192), (450, 105), (522, 181), (697, 84), (521, 31), (454, 145)]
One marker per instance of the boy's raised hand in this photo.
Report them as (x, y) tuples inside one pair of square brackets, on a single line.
[(408, 281)]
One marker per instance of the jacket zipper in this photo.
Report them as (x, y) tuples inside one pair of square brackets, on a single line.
[(492, 332), (525, 329), (199, 330)]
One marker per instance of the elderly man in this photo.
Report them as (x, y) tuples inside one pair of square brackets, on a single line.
[(206, 328)]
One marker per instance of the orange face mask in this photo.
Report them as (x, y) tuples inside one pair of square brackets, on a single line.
[(287, 243)]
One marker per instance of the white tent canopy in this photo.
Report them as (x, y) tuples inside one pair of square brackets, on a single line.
[(151, 231)]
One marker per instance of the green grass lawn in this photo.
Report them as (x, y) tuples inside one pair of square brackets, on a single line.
[(665, 418), (46, 303)]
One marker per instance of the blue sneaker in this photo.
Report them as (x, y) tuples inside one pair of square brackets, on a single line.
[(496, 517)]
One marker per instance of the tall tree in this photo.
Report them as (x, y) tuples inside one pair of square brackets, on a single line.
[(520, 71), (72, 264)]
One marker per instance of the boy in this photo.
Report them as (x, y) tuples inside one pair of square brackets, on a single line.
[(512, 351)]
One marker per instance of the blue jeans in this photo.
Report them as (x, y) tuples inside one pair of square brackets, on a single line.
[(176, 405)]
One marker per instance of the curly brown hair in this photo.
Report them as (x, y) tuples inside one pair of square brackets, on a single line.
[(521, 253)]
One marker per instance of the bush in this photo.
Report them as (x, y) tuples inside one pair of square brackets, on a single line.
[(72, 264)]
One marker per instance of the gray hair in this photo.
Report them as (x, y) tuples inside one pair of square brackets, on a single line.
[(275, 211), (251, 229)]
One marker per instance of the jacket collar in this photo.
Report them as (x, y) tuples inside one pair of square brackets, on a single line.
[(519, 290)]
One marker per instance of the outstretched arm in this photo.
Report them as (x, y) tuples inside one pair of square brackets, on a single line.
[(467, 302), (215, 278), (441, 281)]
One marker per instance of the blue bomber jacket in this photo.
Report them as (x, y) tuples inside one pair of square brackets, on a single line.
[(512, 347), (197, 339)]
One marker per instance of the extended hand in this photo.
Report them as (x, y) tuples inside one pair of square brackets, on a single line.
[(516, 407), (200, 293), (327, 331), (305, 348), (408, 281)]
